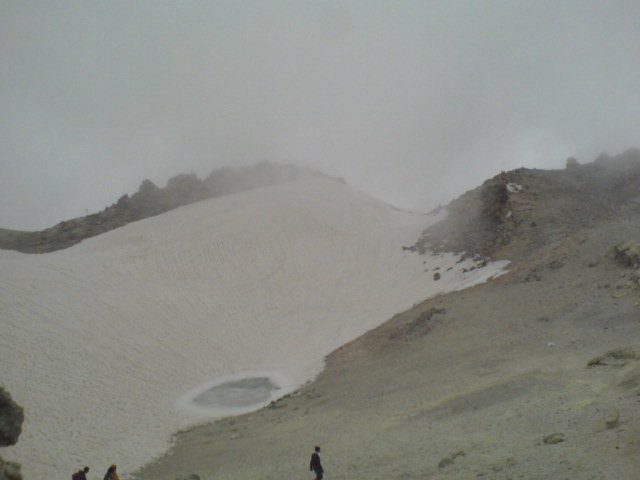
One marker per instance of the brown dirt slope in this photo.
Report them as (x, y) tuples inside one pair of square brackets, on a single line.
[(534, 375)]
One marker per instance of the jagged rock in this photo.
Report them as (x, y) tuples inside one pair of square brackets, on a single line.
[(473, 222), (9, 470), (612, 419), (491, 218), (629, 377), (617, 357), (621, 292), (553, 438), (628, 253), (446, 461), (191, 476), (555, 264), (506, 462), (11, 418), (572, 163), (419, 326), (602, 158), (533, 276)]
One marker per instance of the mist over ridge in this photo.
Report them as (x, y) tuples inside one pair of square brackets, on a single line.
[(151, 200), (412, 102), (483, 217)]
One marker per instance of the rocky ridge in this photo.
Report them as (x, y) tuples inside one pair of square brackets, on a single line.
[(515, 205), (151, 200)]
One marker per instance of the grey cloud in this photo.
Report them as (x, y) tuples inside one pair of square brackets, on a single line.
[(413, 102)]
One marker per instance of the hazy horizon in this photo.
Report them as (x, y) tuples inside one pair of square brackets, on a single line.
[(411, 102)]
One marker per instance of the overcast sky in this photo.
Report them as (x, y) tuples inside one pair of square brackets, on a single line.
[(411, 101)]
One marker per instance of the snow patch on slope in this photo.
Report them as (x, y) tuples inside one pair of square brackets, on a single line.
[(107, 342)]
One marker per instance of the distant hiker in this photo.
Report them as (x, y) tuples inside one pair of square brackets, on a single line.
[(315, 464), (111, 474), (80, 474)]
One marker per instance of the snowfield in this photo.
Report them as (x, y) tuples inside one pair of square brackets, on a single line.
[(112, 345)]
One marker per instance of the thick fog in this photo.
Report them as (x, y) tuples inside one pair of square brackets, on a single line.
[(411, 101)]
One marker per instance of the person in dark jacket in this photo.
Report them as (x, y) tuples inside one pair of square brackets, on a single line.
[(315, 466), (80, 474)]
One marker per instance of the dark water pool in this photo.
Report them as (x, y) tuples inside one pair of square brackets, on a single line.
[(238, 393)]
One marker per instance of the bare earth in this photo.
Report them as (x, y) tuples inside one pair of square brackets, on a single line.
[(468, 385)]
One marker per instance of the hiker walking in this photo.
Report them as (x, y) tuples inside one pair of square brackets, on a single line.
[(80, 474), (315, 466), (111, 474)]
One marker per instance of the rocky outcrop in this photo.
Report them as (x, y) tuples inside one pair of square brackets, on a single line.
[(554, 438), (628, 253), (476, 221), (538, 207), (617, 357), (151, 200), (9, 470), (191, 476), (11, 418)]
